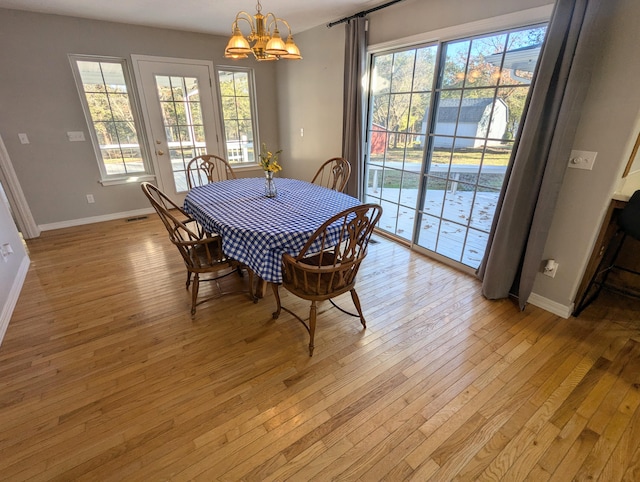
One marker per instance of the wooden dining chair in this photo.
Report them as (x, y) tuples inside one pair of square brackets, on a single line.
[(333, 174), (208, 168), (328, 263), (201, 252)]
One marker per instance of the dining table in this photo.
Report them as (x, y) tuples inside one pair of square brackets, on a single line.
[(256, 229)]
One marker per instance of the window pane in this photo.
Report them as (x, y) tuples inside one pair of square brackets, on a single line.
[(241, 82), (193, 92), (380, 112), (126, 134), (399, 111), (402, 78), (425, 67), (480, 71), (120, 107), (455, 64), (244, 108), (196, 113), (99, 106), (177, 88), (164, 88), (418, 113), (381, 76), (447, 112)]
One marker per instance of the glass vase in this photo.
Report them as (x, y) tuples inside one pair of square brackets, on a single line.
[(269, 185)]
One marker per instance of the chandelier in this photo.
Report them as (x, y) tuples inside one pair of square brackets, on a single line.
[(267, 43)]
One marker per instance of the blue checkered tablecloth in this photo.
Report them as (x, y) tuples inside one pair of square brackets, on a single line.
[(257, 230)]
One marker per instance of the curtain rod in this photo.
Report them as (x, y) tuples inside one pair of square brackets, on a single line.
[(363, 13)]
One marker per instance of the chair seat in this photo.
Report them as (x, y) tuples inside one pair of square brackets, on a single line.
[(323, 275)]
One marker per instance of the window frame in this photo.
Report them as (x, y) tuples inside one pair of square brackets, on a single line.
[(512, 21), (111, 179), (254, 113)]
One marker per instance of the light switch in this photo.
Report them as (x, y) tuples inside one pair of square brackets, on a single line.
[(23, 138), (75, 136), (582, 159)]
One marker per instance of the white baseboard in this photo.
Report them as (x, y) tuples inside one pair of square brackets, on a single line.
[(7, 309), (551, 306), (96, 219)]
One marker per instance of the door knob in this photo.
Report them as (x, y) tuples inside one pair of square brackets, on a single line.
[(159, 152)]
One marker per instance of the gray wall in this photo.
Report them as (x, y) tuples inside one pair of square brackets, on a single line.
[(609, 122), (38, 96), (608, 126), (312, 88)]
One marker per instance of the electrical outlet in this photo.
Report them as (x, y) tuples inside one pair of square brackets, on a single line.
[(5, 251), (90, 199), (23, 138), (550, 268)]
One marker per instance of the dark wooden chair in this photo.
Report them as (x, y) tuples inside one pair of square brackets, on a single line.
[(333, 174), (201, 252), (208, 168), (328, 263), (628, 226)]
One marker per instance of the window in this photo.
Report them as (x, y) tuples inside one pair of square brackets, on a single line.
[(104, 86), (442, 119), (238, 113)]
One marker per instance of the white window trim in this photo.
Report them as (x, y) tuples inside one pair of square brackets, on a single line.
[(114, 179)]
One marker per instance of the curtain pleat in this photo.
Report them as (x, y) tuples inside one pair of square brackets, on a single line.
[(353, 109), (541, 153)]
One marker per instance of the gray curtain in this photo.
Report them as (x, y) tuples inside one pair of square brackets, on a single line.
[(355, 58), (541, 153)]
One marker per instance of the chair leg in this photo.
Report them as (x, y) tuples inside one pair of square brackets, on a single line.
[(587, 299), (194, 293), (356, 302), (252, 291), (312, 326), (188, 278), (276, 313)]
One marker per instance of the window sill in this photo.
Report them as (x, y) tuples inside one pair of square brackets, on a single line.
[(245, 166), (127, 180)]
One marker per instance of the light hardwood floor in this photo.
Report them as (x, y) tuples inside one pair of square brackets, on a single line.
[(105, 376)]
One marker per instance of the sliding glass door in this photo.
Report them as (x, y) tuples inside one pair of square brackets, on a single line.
[(441, 122)]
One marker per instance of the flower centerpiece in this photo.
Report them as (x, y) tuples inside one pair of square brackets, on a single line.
[(269, 163)]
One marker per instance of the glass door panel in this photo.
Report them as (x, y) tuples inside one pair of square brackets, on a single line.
[(181, 114), (183, 124), (442, 119)]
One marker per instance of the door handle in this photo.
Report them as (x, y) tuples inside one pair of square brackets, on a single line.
[(159, 152)]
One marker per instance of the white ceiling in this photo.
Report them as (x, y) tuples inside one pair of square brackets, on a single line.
[(207, 16)]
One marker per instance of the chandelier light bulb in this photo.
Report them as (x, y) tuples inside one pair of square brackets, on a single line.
[(263, 41)]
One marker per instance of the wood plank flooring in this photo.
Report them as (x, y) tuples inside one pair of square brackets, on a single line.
[(105, 376)]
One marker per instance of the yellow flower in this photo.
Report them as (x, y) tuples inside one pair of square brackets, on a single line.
[(269, 160)]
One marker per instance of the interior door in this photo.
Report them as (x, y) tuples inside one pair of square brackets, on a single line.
[(180, 115)]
